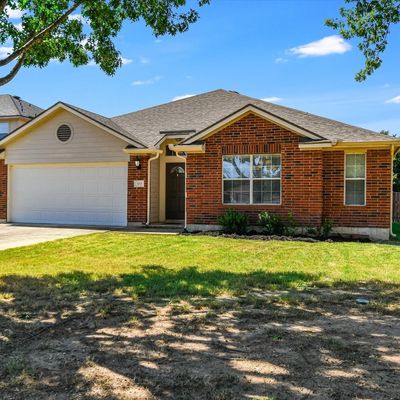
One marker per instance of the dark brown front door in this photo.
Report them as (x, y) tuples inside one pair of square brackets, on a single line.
[(175, 191)]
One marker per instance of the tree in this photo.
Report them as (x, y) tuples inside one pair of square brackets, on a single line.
[(370, 21), (80, 30), (396, 165)]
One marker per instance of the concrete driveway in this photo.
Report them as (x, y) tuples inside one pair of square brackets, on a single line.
[(21, 235)]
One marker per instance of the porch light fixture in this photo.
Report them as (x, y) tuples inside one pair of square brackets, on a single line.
[(137, 162)]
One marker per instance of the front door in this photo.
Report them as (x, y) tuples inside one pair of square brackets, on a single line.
[(175, 191)]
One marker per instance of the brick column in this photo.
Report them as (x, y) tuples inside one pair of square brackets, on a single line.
[(3, 191), (137, 197)]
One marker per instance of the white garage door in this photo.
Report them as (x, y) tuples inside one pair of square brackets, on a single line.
[(81, 194)]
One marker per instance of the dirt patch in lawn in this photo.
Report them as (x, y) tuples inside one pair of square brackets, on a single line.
[(316, 344)]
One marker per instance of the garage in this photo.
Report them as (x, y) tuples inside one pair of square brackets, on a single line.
[(78, 194)]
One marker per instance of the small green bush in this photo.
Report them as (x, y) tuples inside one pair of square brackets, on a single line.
[(291, 225), (326, 227), (271, 224), (311, 231), (233, 221)]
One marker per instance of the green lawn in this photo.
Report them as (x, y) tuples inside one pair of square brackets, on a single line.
[(173, 266)]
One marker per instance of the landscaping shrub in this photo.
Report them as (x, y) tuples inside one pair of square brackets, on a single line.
[(291, 225), (326, 227), (233, 221), (271, 224)]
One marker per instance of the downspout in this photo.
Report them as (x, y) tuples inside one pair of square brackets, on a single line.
[(184, 160), (148, 184)]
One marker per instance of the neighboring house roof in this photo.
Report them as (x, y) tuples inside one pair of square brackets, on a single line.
[(202, 111), (14, 106)]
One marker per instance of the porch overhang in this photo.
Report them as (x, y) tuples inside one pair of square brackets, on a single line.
[(136, 151), (188, 148)]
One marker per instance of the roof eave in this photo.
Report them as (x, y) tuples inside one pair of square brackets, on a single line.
[(61, 105)]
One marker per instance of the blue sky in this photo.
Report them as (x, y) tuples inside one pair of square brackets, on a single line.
[(254, 47)]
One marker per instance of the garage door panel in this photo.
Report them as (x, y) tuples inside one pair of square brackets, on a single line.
[(87, 195)]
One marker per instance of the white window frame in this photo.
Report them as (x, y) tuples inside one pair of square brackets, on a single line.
[(251, 179), (355, 179)]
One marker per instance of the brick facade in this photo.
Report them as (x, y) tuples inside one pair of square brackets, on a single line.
[(301, 177), (376, 212), (3, 191), (137, 197), (312, 182)]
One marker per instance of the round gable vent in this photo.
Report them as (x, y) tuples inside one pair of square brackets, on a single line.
[(64, 133)]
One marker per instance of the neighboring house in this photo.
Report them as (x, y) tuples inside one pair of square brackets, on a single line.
[(190, 160), (14, 112)]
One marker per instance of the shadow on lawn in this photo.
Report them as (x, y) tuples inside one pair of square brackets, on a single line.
[(146, 335)]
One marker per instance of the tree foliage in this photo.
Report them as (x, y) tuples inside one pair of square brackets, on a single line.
[(81, 30), (396, 166), (370, 21)]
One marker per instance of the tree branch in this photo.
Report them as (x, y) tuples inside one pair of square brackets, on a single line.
[(7, 78), (3, 4), (22, 50)]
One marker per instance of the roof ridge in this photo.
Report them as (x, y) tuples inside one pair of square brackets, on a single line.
[(14, 103), (169, 102)]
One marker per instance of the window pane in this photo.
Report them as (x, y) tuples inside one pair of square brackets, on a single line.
[(355, 192), (237, 191), (236, 167), (355, 166), (4, 128), (266, 191), (267, 166)]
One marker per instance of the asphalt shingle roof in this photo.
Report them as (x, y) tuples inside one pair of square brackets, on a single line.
[(201, 111), (14, 106), (107, 122)]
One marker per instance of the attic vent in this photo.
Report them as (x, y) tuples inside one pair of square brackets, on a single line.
[(64, 133)]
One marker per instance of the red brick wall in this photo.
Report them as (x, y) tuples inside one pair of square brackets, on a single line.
[(376, 212), (137, 197), (3, 190), (301, 180)]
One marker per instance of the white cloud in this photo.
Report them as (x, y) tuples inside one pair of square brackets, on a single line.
[(78, 17), (126, 61), (5, 51), (184, 96), (281, 60), (144, 60), (328, 45), (394, 100), (14, 14), (18, 27), (150, 81), (272, 99)]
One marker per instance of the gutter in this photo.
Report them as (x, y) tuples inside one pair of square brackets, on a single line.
[(187, 148), (128, 150)]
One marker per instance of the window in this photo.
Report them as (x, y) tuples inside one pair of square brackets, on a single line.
[(253, 179), (355, 180), (4, 129)]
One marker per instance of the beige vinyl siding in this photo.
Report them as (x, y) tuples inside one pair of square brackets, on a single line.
[(89, 143), (155, 191)]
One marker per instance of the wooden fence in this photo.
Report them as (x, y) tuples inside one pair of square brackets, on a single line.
[(396, 206)]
